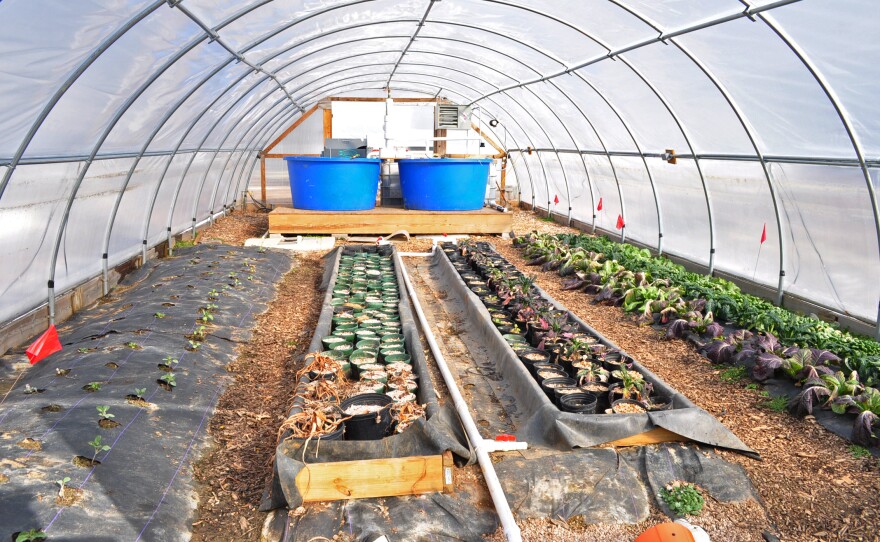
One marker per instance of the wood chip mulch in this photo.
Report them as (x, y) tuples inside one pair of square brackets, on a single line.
[(812, 486), (235, 471)]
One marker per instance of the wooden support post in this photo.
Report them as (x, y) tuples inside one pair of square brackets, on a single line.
[(440, 146), (502, 190), (263, 178), (496, 146), (328, 124), (369, 478)]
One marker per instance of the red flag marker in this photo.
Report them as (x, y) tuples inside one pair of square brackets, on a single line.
[(764, 234), (599, 207), (556, 200), (46, 345), (444, 235), (620, 223)]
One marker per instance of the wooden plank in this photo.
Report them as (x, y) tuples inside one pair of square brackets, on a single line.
[(292, 127), (440, 146), (383, 221), (502, 189), (283, 155), (368, 478), (654, 436), (496, 146), (263, 178), (401, 100), (328, 124), (492, 156)]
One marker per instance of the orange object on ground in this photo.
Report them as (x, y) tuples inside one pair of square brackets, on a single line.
[(666, 532)]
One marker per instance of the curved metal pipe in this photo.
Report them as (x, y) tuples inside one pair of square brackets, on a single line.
[(149, 216), (71, 79), (845, 119), (259, 128)]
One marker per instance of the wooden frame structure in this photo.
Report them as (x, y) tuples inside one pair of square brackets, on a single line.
[(325, 106)]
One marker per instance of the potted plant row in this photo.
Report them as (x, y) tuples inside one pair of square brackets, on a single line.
[(362, 385), (576, 371)]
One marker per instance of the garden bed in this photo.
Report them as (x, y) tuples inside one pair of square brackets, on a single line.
[(546, 423), (435, 432), (817, 368), (119, 359)]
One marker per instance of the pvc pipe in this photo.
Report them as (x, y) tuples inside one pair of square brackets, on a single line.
[(502, 507)]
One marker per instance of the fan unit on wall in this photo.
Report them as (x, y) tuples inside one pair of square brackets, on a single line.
[(450, 117)]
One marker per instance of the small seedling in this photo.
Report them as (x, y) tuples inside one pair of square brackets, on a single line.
[(159, 315), (60, 372), (98, 446), (83, 350), (194, 345), (61, 483), (226, 287), (93, 386), (732, 374), (682, 498), (169, 379), (207, 316), (213, 293), (140, 392), (753, 386), (232, 274), (28, 389), (104, 412), (250, 278), (211, 306), (236, 282), (776, 404), (132, 345), (199, 332), (262, 249), (30, 536), (169, 361), (859, 452)]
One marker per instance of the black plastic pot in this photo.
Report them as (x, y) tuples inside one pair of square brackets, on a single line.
[(628, 402), (659, 402), (601, 398), (556, 381), (371, 426), (581, 403), (562, 391), (542, 366), (526, 356)]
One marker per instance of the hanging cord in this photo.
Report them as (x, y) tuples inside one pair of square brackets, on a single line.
[(261, 205)]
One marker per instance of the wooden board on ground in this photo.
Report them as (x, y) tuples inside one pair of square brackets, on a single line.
[(368, 478), (384, 220), (654, 436)]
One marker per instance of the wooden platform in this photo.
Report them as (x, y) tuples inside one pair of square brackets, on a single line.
[(387, 220)]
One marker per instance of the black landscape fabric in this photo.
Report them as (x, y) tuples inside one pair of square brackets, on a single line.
[(143, 487), (549, 426), (439, 432)]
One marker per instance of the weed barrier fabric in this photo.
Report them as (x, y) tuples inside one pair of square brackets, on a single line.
[(438, 432), (547, 425), (143, 488)]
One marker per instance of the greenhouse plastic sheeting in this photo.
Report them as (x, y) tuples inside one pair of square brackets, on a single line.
[(769, 105)]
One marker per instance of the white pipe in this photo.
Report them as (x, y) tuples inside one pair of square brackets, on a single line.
[(502, 508)]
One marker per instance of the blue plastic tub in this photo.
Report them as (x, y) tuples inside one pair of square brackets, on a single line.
[(443, 184), (333, 184)]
